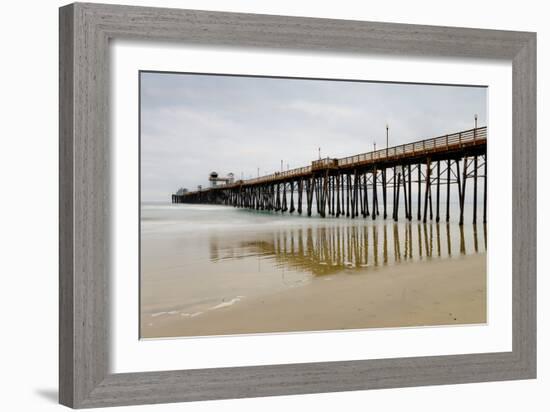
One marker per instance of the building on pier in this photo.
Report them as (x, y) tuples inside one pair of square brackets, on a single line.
[(215, 179), (181, 191)]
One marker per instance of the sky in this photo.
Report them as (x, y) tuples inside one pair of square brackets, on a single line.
[(194, 124)]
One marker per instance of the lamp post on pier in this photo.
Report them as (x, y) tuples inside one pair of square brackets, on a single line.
[(387, 138), (475, 126)]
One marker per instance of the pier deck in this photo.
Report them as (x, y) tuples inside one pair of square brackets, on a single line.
[(341, 186)]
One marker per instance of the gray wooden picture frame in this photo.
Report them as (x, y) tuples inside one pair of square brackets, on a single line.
[(85, 32)]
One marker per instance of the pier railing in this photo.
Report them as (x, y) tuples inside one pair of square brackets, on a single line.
[(279, 175), (419, 148)]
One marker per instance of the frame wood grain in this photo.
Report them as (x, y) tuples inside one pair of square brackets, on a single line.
[(85, 31)]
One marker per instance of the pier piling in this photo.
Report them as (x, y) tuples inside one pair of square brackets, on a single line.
[(341, 186)]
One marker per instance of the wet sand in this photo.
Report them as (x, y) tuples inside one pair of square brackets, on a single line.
[(431, 292)]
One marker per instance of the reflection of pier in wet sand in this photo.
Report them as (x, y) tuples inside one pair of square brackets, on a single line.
[(330, 249)]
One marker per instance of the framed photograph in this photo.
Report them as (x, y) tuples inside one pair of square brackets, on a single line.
[(257, 205)]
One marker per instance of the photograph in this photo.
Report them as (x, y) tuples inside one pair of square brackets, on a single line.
[(275, 205)]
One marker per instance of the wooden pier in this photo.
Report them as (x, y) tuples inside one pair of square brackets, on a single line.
[(351, 186)]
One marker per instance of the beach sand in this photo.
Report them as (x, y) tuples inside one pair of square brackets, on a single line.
[(432, 292)]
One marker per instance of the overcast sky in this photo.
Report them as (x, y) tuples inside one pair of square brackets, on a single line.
[(194, 124)]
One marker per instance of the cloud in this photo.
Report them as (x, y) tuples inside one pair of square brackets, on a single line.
[(322, 110)]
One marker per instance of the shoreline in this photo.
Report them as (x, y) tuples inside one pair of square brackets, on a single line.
[(427, 293)]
